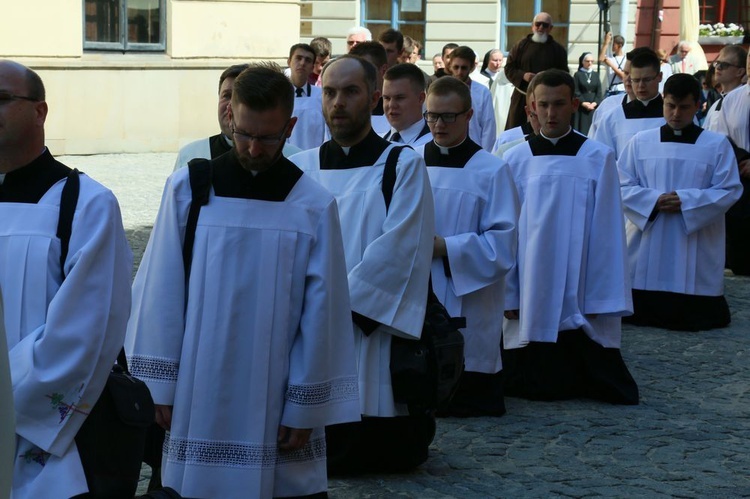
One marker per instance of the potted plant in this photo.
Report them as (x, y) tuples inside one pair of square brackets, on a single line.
[(720, 34)]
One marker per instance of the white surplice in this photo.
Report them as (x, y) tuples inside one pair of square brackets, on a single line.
[(733, 118), (7, 415), (482, 127), (387, 257), (501, 89), (605, 107), (476, 211), (571, 269), (510, 135), (310, 129), (264, 340), (62, 339), (615, 131), (678, 252)]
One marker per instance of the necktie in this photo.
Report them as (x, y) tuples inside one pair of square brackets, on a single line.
[(396, 137), (299, 92), (683, 65)]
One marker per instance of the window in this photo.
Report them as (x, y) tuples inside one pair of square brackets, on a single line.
[(407, 16), (124, 25), (724, 11), (517, 17)]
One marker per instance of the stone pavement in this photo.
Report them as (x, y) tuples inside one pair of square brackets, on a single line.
[(688, 438)]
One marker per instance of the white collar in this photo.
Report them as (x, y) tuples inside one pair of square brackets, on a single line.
[(556, 139), (410, 133), (446, 150)]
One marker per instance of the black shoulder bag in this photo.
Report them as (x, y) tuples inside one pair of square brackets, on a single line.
[(110, 441), (425, 372)]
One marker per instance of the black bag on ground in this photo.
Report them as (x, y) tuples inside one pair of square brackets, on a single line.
[(110, 441), (425, 372)]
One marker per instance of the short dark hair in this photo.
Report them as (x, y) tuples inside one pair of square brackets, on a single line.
[(464, 52), (554, 78), (392, 35), (263, 87), (35, 86), (682, 85), (322, 46), (637, 51), (448, 46), (738, 52), (373, 50), (645, 59), (451, 85), (406, 71), (369, 70), (302, 46), (232, 72), (618, 40)]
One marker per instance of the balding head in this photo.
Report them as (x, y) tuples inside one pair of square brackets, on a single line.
[(541, 27), (22, 115)]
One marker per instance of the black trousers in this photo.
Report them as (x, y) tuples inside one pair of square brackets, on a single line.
[(381, 445), (678, 311), (574, 367)]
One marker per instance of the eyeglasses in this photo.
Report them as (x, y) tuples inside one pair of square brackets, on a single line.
[(6, 97), (542, 24), (644, 80), (266, 140), (724, 65), (446, 117)]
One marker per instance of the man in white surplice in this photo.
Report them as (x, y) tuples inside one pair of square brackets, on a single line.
[(677, 183), (403, 102), (476, 211), (250, 360), (570, 286), (216, 145), (62, 336), (310, 130), (388, 255)]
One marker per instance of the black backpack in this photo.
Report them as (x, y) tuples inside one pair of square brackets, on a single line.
[(425, 373)]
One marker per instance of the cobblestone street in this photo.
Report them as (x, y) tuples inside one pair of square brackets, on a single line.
[(688, 438)]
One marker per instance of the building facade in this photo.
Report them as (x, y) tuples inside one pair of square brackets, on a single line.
[(142, 75)]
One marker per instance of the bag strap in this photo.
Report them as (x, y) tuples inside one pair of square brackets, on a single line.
[(389, 174), (68, 202), (200, 185)]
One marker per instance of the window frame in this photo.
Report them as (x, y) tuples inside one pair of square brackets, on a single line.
[(394, 22), (124, 45)]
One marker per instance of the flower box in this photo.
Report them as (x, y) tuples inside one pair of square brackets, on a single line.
[(719, 40)]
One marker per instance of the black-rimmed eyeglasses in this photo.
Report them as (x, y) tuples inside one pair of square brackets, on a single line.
[(266, 140), (6, 97), (446, 117), (725, 65)]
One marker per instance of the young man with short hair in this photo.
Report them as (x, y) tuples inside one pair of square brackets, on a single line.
[(482, 127), (677, 182), (403, 99), (570, 285), (476, 210), (310, 130), (617, 127)]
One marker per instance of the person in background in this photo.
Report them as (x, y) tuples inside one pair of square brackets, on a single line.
[(356, 35), (323, 48), (615, 61), (588, 92)]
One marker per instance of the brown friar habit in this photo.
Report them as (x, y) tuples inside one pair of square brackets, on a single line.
[(530, 57)]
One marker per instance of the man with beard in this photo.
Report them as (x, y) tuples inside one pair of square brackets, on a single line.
[(246, 341), (533, 54), (388, 256), (216, 145)]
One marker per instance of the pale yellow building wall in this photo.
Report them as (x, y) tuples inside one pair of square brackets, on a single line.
[(104, 102)]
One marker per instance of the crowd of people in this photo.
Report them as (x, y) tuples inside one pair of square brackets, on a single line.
[(543, 207)]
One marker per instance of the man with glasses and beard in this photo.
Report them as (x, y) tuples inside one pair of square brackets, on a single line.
[(388, 256), (533, 54), (246, 341)]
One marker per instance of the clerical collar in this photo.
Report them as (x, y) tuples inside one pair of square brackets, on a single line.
[(688, 135), (365, 153), (567, 145), (555, 140), (647, 102), (453, 157), (636, 109), (411, 133), (231, 180), (29, 183), (219, 144)]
